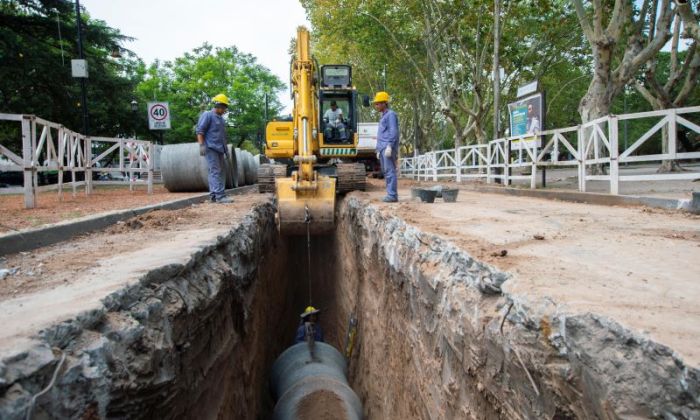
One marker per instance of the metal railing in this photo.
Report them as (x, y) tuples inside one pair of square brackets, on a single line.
[(50, 147), (593, 144)]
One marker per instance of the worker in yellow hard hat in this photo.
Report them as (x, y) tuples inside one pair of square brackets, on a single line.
[(309, 326), (211, 136), (387, 145)]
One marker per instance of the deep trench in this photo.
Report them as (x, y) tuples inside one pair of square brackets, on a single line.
[(436, 336)]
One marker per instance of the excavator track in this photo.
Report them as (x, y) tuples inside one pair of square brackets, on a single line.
[(351, 177), (266, 176)]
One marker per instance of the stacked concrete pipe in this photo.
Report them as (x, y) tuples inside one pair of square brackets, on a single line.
[(240, 170), (305, 386), (184, 170)]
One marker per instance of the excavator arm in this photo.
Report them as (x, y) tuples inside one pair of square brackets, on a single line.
[(306, 200)]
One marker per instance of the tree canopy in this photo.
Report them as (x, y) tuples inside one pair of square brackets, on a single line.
[(38, 39), (438, 58), (189, 82)]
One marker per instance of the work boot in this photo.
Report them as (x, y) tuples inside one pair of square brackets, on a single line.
[(224, 200), (388, 199)]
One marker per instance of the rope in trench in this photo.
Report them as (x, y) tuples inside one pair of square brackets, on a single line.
[(307, 220)]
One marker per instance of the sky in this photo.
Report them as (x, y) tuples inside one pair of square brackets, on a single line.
[(166, 29)]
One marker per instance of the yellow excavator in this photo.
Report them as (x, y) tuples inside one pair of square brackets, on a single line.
[(315, 158)]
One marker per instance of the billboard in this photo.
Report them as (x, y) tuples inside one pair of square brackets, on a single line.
[(526, 118)]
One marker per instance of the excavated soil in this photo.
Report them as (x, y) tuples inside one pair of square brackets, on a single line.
[(181, 315)]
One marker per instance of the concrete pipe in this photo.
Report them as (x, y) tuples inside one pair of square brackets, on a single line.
[(183, 169), (250, 171), (302, 386), (240, 168), (233, 169)]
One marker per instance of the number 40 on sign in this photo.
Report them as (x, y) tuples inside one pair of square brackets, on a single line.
[(158, 116)]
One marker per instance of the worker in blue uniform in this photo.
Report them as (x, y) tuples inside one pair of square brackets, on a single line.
[(309, 326), (211, 136), (387, 145)]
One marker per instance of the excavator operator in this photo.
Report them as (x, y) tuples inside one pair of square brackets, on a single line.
[(333, 118), (309, 326)]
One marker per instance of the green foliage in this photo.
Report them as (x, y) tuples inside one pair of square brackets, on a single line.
[(250, 146), (438, 56), (35, 68), (189, 82)]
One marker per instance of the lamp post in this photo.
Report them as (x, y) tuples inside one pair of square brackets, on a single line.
[(134, 109), (83, 89)]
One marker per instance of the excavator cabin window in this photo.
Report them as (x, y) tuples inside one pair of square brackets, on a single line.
[(337, 120)]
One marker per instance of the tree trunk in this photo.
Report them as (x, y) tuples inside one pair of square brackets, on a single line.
[(667, 166), (597, 101)]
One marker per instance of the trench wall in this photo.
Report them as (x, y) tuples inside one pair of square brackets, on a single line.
[(187, 341), (438, 339)]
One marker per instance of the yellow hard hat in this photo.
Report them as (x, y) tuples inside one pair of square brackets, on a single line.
[(381, 97), (310, 310), (220, 99)]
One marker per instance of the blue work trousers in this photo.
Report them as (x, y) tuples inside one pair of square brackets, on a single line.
[(217, 180), (389, 171)]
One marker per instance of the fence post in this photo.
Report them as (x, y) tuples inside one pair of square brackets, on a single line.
[(88, 165), (488, 163), (506, 163), (435, 167), (672, 135), (533, 170), (29, 164), (36, 164), (151, 164), (61, 155), (581, 159), (614, 154), (458, 163)]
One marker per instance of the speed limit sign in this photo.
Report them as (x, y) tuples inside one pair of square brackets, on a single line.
[(158, 116)]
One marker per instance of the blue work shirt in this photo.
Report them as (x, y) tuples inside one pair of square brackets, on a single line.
[(213, 127), (301, 334), (388, 131)]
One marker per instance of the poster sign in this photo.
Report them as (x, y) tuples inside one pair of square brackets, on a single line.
[(79, 68), (526, 118), (158, 116)]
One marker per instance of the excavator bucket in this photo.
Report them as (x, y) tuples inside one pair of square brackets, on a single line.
[(296, 206)]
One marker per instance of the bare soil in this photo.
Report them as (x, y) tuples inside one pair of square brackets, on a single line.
[(638, 266), (63, 279), (51, 209)]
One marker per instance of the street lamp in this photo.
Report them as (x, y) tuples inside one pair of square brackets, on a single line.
[(83, 89), (134, 109)]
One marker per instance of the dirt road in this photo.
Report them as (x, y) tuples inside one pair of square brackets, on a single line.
[(58, 281), (51, 210), (638, 266)]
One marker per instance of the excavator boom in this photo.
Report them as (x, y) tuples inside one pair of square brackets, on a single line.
[(306, 200)]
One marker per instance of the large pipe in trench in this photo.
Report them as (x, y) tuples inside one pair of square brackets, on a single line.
[(307, 387), (184, 170)]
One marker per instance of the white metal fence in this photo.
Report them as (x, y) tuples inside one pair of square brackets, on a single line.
[(594, 144), (51, 148)]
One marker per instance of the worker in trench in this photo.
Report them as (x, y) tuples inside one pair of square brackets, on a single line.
[(211, 136), (309, 327), (387, 145)]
